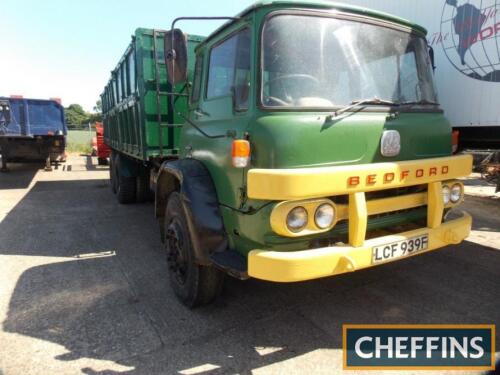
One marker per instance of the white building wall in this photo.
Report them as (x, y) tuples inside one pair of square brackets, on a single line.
[(467, 101)]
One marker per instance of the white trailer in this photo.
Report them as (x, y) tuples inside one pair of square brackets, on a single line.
[(465, 37)]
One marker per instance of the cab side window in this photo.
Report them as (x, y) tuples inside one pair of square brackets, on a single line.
[(242, 70), (195, 94), (229, 69)]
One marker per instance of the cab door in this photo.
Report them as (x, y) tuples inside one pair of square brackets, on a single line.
[(219, 107)]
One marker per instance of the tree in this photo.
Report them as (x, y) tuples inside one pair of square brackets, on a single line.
[(75, 115), (97, 116), (98, 106)]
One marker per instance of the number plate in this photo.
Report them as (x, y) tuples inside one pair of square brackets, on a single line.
[(400, 249)]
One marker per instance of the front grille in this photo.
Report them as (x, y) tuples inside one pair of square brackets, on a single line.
[(395, 192), (378, 225), (387, 193)]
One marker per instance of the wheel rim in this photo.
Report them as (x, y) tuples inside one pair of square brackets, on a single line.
[(176, 257)]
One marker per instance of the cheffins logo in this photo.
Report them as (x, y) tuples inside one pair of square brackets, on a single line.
[(433, 347)]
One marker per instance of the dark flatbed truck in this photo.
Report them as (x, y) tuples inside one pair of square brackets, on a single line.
[(32, 130), (285, 159)]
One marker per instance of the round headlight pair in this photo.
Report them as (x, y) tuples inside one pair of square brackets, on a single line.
[(297, 218), (453, 194)]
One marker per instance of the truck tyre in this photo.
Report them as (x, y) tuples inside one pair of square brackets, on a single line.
[(102, 161), (143, 192), (126, 189), (112, 175), (193, 284)]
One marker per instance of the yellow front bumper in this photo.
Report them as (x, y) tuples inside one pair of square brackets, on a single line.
[(318, 182), (329, 261)]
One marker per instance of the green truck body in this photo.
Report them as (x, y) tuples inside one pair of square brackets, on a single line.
[(135, 100), (349, 153)]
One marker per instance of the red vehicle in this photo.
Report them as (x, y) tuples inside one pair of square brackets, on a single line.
[(103, 150)]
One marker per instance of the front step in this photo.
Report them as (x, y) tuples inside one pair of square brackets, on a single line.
[(232, 263)]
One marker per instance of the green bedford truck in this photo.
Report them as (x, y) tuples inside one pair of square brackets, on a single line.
[(300, 140)]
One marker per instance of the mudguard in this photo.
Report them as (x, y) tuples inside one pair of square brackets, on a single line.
[(199, 198)]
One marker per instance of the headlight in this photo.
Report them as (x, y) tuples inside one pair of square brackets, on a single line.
[(324, 215), (446, 194), (296, 219), (456, 193)]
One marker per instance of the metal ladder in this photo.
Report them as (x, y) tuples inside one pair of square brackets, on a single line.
[(169, 125)]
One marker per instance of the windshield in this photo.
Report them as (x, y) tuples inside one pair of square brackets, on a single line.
[(313, 61)]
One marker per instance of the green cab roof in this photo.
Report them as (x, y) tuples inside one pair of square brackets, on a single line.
[(325, 5)]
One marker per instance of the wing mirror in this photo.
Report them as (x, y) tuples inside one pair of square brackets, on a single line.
[(176, 56)]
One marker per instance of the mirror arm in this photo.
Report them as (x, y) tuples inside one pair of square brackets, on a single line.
[(203, 18), (172, 27)]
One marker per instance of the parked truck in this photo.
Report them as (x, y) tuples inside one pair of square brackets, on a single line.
[(299, 140), (102, 149), (32, 130)]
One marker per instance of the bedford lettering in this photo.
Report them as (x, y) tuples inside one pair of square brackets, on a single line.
[(372, 179)]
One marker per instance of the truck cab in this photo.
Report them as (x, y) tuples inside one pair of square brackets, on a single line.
[(313, 145)]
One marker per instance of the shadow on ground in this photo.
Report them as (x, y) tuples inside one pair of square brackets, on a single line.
[(108, 297), (19, 176), (477, 207), (477, 180)]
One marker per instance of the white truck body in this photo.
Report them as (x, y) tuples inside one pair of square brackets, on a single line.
[(468, 88)]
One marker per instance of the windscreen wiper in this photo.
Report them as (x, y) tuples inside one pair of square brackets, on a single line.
[(356, 103), (421, 102)]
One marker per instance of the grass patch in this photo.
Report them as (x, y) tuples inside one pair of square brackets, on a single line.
[(80, 149), (79, 141)]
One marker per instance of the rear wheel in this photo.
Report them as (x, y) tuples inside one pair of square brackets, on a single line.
[(143, 192), (102, 161), (126, 187), (112, 174), (193, 284)]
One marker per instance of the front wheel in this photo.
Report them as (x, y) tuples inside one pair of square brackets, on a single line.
[(193, 284)]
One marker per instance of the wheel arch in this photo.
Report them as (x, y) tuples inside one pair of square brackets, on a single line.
[(200, 203)]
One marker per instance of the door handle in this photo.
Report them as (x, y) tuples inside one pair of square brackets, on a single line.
[(200, 113)]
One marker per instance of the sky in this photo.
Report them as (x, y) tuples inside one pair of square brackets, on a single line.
[(67, 48)]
